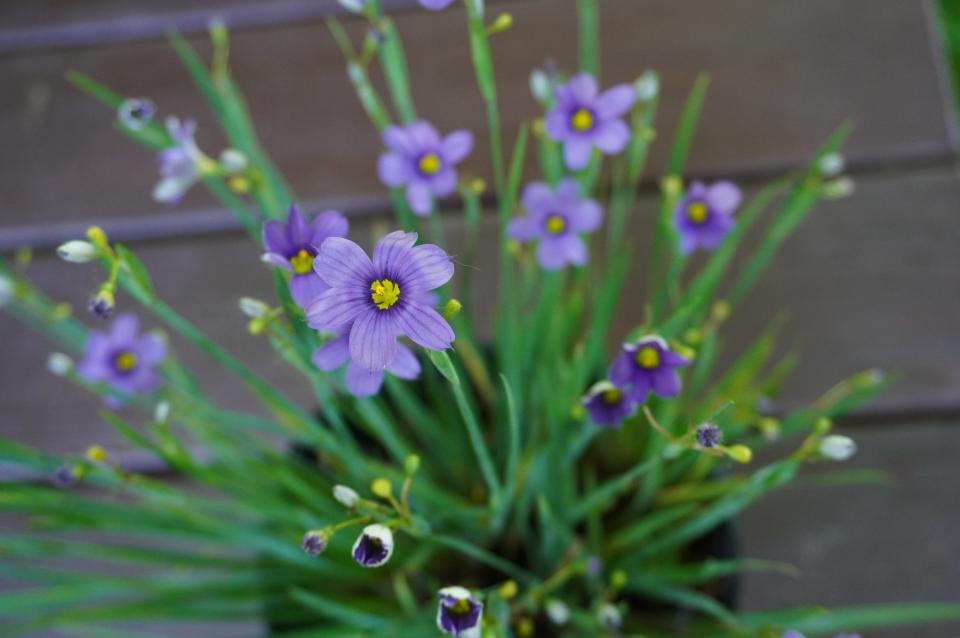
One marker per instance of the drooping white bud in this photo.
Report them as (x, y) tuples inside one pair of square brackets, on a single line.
[(253, 308), (837, 448), (161, 411), (77, 251), (353, 6), (540, 85), (831, 164), (59, 364), (346, 496), (233, 161), (558, 612), (647, 86)]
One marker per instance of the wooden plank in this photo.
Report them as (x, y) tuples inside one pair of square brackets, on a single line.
[(784, 76)]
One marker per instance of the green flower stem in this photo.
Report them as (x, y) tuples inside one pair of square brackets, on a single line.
[(589, 23), (483, 67)]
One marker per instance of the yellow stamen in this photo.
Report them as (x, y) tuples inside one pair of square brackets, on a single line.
[(384, 293), (125, 361), (697, 212), (648, 357), (582, 120), (302, 262), (612, 396), (462, 606), (556, 224), (429, 164)]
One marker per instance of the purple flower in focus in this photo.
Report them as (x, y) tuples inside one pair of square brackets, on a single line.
[(607, 404), (294, 244), (556, 217), (418, 158), (360, 381), (123, 359), (374, 546), (381, 299), (459, 613), (582, 119), (647, 365), (705, 215), (181, 164)]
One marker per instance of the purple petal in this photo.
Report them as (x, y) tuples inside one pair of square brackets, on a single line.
[(551, 253), (567, 192), (397, 138), (361, 382), (124, 328), (276, 259), (456, 146), (329, 223), (523, 228), (394, 169), (621, 372), (688, 242), (666, 383), (587, 216), (723, 197), (583, 86), (436, 4), (392, 253), (151, 349), (423, 136), (537, 197), (429, 268), (297, 228), (576, 153), (336, 307), (275, 238), (332, 354), (640, 386), (405, 364), (341, 262), (425, 327), (558, 124), (444, 182), (420, 198), (674, 359), (615, 101), (305, 288), (612, 136), (373, 339), (574, 249)]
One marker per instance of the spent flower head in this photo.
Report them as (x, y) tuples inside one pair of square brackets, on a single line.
[(135, 113), (709, 435)]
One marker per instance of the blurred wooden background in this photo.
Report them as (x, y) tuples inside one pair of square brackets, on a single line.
[(871, 280)]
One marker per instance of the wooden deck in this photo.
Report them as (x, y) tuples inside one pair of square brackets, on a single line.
[(871, 280)]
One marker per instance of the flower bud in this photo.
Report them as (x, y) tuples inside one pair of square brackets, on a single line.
[(102, 304), (540, 85), (720, 310), (709, 435), (59, 364), (77, 251), (831, 164), (346, 496), (411, 464), (253, 308), (647, 86), (374, 546), (503, 22), (837, 448), (822, 425), (740, 453), (382, 488), (609, 617), (135, 113), (161, 412), (452, 308), (233, 161), (459, 613), (353, 6), (839, 188), (558, 612), (65, 476), (618, 579), (96, 454), (508, 590), (239, 184), (98, 238), (525, 627), (671, 185), (315, 542)]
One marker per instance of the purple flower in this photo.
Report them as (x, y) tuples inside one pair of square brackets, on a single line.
[(436, 4), (459, 613), (381, 299), (180, 164), (360, 381), (293, 246), (123, 359), (647, 365), (135, 113), (705, 215), (556, 217), (582, 119), (607, 404), (421, 160), (64, 477), (374, 546), (709, 435), (315, 542)]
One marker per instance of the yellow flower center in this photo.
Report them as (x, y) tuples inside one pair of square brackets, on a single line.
[(462, 606), (582, 120), (556, 224), (697, 212), (384, 293), (125, 361), (302, 262), (648, 357), (429, 164), (612, 396)]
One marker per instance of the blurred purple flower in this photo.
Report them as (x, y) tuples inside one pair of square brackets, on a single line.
[(555, 217), (381, 299), (294, 245), (647, 365), (123, 359), (459, 613), (180, 164), (709, 435), (436, 4), (705, 215), (607, 404), (418, 158), (360, 381), (582, 119)]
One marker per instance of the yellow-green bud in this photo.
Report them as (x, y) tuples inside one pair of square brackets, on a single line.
[(508, 590), (478, 186), (671, 185), (503, 22), (823, 425), (525, 627), (99, 238), (382, 487), (411, 464), (693, 336), (239, 184), (740, 453), (618, 579), (720, 310), (97, 454), (452, 308)]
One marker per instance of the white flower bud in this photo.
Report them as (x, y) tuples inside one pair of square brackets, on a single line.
[(839, 188), (831, 165), (353, 6), (837, 448), (374, 546), (161, 411), (540, 85), (253, 308), (233, 161), (6, 291), (558, 612), (647, 86), (59, 364), (77, 251), (346, 496)]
